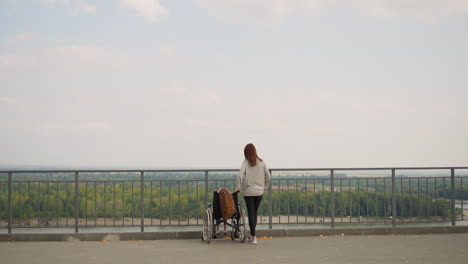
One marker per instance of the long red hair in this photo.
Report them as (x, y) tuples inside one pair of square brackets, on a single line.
[(250, 153)]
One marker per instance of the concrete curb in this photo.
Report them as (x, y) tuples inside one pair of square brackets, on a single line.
[(196, 234)]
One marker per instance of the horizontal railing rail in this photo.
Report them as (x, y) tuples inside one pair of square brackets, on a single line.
[(93, 198), (233, 170)]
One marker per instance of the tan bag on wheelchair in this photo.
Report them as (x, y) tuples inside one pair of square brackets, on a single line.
[(228, 208)]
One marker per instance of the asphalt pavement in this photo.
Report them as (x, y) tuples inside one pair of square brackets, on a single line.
[(440, 248)]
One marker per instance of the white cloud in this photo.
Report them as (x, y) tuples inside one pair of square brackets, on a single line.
[(418, 9), (176, 93), (71, 58), (77, 6), (262, 11), (22, 37), (10, 61), (7, 100), (60, 59), (92, 126), (66, 128), (272, 11), (167, 51), (93, 56), (48, 2), (151, 10), (83, 7)]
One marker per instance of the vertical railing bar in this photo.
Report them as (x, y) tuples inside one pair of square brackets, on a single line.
[(306, 210), (133, 204), (170, 205), (332, 189), (341, 199), (188, 199), (410, 200), (105, 203), (287, 189), (67, 190), (419, 198), (76, 202), (38, 203), (270, 209), (2, 209), (151, 202), (29, 204), (393, 199), (123, 203), (401, 200), (19, 202), (444, 200), (47, 203), (376, 201), (315, 202), (113, 204), (297, 202), (385, 205), (206, 189), (160, 202), (178, 200), (359, 199), (452, 174), (350, 202), (95, 204), (10, 207), (435, 197), (444, 216), (56, 203), (142, 201), (198, 197), (86, 204), (462, 197), (367, 200), (427, 199), (279, 201), (323, 201)]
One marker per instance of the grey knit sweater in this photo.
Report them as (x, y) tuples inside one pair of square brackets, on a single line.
[(253, 180)]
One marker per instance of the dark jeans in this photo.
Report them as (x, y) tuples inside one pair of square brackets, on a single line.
[(252, 202)]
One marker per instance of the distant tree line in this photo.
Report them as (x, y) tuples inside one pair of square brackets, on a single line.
[(184, 199)]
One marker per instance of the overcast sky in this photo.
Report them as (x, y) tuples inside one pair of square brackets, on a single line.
[(187, 83)]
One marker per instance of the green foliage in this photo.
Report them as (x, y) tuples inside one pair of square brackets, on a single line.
[(186, 199)]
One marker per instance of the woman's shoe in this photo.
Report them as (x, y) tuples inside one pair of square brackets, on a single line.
[(253, 241)]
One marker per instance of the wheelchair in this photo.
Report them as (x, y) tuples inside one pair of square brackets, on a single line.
[(212, 219)]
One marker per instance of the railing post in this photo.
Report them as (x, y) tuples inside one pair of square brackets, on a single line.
[(77, 209), (332, 194), (393, 198), (142, 201), (10, 208), (270, 207), (452, 177), (206, 189)]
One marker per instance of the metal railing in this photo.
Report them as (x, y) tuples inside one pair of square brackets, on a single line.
[(142, 198)]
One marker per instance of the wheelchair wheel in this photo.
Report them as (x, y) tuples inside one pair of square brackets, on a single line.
[(242, 226), (234, 232), (207, 226)]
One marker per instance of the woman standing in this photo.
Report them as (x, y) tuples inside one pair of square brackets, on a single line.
[(254, 178)]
